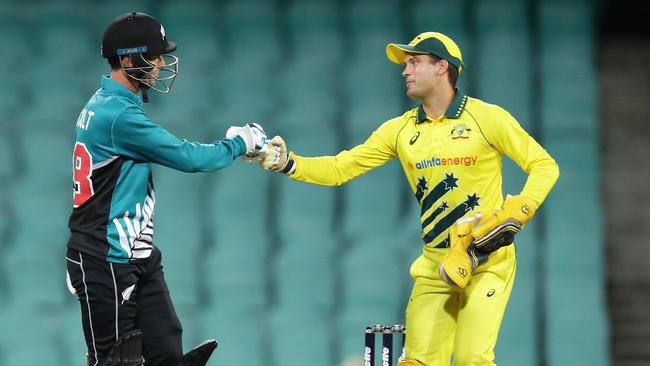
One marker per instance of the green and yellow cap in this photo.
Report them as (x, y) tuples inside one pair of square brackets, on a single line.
[(433, 43)]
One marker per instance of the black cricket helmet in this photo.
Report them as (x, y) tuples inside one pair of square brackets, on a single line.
[(140, 37)]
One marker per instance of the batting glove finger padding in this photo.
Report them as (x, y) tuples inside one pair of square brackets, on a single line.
[(253, 135)]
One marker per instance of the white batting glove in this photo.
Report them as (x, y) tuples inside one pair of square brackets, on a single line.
[(253, 135), (277, 157)]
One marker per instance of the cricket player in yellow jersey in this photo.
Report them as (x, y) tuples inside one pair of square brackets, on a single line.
[(451, 149)]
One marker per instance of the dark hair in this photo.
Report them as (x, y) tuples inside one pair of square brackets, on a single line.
[(453, 71), (114, 62)]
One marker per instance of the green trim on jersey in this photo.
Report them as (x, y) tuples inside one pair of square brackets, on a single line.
[(454, 111)]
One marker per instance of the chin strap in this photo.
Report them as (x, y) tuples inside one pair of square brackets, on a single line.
[(144, 88), (136, 76)]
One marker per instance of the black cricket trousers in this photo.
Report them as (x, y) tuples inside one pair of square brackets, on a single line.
[(118, 298)]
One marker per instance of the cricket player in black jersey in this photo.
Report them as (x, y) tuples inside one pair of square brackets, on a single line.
[(113, 266)]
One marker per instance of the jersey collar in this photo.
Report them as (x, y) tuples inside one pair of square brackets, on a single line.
[(454, 111), (113, 87)]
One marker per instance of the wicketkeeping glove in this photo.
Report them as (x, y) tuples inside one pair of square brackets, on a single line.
[(498, 229), (473, 238), (254, 137), (278, 158), (461, 260)]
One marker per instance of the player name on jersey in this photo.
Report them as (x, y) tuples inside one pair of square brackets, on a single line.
[(83, 121)]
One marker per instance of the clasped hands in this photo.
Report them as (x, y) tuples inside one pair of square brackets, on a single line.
[(269, 154)]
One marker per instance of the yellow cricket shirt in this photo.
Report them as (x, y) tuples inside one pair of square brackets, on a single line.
[(453, 164)]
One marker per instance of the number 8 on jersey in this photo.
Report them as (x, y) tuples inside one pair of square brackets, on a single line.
[(82, 170)]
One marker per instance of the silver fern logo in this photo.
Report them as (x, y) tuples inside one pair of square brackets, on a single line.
[(136, 233), (126, 294)]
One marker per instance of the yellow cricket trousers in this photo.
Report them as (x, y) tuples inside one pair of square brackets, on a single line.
[(442, 320)]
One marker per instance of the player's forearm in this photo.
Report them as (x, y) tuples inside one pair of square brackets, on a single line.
[(183, 155), (194, 157), (339, 169), (324, 170), (541, 178), (135, 136)]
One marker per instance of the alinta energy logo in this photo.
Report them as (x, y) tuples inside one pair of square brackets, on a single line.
[(460, 132), (436, 162)]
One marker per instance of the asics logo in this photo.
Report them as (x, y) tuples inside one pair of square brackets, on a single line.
[(414, 138)]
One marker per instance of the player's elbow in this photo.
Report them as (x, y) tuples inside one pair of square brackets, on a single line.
[(548, 167)]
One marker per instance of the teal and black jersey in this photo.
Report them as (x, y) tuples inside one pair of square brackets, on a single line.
[(113, 191)]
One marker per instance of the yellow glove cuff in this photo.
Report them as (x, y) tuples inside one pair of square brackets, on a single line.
[(520, 208)]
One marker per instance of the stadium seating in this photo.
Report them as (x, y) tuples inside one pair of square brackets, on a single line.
[(235, 279), (40, 190), (28, 325), (8, 168), (301, 339), (103, 12), (309, 286), (523, 319), (505, 37), (314, 37), (192, 27), (178, 230), (72, 345), (56, 64), (235, 266), (240, 332), (447, 17), (13, 88), (567, 40), (281, 272), (571, 128)]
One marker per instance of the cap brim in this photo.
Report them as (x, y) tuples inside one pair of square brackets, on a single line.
[(396, 52)]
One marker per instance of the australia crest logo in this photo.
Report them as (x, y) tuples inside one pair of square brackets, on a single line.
[(460, 132)]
